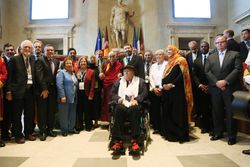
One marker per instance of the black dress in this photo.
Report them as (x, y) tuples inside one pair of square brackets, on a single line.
[(96, 105), (174, 113)]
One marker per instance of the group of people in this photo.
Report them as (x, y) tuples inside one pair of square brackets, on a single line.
[(180, 88)]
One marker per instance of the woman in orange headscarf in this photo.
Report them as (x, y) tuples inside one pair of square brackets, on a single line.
[(177, 97)]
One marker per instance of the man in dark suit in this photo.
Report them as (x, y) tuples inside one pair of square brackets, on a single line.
[(147, 63), (8, 52), (134, 60), (201, 82), (223, 69), (244, 44), (46, 70), (20, 88), (231, 43), (191, 57)]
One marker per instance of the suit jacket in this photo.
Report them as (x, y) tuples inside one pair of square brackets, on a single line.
[(142, 94), (230, 71), (66, 87), (44, 75), (137, 62), (18, 77), (243, 51), (190, 61), (198, 73), (233, 45)]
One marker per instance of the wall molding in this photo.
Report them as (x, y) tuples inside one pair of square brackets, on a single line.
[(242, 16), (52, 31), (203, 31)]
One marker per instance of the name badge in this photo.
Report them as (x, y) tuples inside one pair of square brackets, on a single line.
[(81, 85), (96, 84), (29, 81), (146, 79)]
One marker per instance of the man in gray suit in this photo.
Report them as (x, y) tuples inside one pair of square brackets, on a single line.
[(223, 69)]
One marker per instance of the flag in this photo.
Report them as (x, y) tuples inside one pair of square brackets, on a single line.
[(141, 41), (134, 39), (106, 44), (98, 45), (102, 37), (138, 41)]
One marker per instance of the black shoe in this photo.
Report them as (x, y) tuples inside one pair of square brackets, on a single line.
[(231, 142), (74, 132), (79, 129), (211, 133), (2, 144), (30, 138), (64, 134), (42, 136), (20, 140), (246, 152), (216, 137), (203, 131), (51, 133)]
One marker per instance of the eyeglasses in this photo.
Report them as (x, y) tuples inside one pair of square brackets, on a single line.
[(220, 42), (7, 50)]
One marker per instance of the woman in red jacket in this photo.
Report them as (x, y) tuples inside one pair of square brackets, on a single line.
[(3, 77), (86, 80)]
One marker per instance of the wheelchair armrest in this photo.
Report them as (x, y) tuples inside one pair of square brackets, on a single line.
[(241, 105)]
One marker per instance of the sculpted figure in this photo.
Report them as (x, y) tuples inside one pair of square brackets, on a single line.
[(119, 22)]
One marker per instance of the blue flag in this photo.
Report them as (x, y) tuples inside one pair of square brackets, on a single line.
[(98, 45), (135, 39)]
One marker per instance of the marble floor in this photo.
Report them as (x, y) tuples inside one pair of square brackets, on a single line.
[(89, 149)]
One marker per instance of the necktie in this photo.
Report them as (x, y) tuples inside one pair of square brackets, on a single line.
[(147, 69), (27, 63), (221, 57), (204, 60), (51, 66), (128, 58)]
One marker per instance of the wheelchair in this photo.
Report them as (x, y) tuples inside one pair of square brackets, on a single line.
[(144, 138)]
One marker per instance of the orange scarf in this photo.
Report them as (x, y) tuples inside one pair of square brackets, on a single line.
[(181, 61)]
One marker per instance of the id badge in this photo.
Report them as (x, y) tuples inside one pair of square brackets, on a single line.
[(29, 81), (96, 84), (81, 85), (146, 79)]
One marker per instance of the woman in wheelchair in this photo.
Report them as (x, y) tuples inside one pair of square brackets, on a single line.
[(128, 93)]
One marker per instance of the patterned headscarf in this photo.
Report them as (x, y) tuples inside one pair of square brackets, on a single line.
[(181, 61)]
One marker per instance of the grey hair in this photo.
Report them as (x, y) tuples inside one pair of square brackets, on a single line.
[(160, 51)]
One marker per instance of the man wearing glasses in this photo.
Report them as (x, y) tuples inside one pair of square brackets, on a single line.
[(223, 69)]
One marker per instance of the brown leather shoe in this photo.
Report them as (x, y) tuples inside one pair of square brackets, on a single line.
[(30, 138), (20, 140)]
